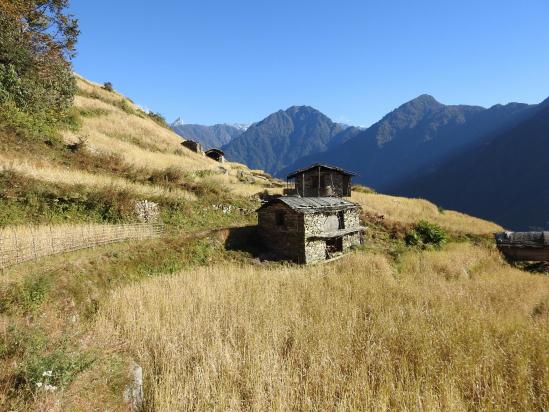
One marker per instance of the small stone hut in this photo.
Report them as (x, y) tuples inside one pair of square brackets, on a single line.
[(193, 146), (309, 229), (216, 154), (320, 180), (527, 246)]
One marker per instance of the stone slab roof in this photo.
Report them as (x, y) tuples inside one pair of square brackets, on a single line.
[(313, 204)]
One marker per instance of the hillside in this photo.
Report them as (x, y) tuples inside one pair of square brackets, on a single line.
[(111, 146), (452, 327), (285, 136), (210, 137), (498, 179), (415, 138)]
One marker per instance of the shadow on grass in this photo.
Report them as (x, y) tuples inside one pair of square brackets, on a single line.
[(532, 267), (246, 239)]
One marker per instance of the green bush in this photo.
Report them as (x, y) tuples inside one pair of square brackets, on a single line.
[(24, 200), (108, 86), (53, 370), (158, 118), (37, 85), (427, 234)]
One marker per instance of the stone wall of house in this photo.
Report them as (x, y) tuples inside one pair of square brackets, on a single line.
[(317, 223), (352, 218), (192, 145), (287, 240), (291, 240), (315, 250), (332, 183), (350, 240)]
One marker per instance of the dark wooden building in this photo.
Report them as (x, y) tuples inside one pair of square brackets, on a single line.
[(320, 180), (309, 229), (527, 246), (216, 154), (193, 146)]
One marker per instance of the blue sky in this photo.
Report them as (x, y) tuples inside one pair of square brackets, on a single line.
[(238, 61)]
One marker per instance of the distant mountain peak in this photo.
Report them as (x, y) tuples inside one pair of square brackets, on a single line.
[(425, 100), (301, 109), (178, 122), (240, 126)]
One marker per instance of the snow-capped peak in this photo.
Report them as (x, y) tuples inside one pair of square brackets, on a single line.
[(178, 122), (241, 126)]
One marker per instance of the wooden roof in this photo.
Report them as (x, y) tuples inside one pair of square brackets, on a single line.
[(322, 166)]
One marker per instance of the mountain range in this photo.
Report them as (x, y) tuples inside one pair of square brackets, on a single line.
[(500, 177), (286, 136), (210, 137), (415, 138), (483, 161)]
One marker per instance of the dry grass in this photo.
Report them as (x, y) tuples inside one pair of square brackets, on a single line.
[(145, 145), (410, 211), (246, 189), (451, 330), (45, 172), (97, 90), (140, 141), (23, 243)]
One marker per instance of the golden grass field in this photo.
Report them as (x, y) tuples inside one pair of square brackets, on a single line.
[(443, 330), (410, 211), (48, 173), (389, 327), (140, 142), (144, 144)]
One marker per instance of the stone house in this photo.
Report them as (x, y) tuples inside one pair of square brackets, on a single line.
[(526, 246), (216, 154), (193, 146), (320, 180), (309, 229)]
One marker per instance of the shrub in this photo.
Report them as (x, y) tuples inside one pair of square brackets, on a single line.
[(427, 234), (36, 44), (108, 86), (363, 189), (124, 106), (171, 174), (158, 118)]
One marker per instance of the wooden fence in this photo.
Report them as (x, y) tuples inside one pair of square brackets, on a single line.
[(23, 243)]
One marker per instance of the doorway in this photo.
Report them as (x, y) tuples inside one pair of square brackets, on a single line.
[(334, 246)]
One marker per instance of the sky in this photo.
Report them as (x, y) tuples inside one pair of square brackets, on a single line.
[(237, 61)]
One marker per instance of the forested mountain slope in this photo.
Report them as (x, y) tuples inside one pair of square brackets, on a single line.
[(415, 138), (285, 136), (500, 179)]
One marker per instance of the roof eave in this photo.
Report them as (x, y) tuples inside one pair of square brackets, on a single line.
[(316, 165)]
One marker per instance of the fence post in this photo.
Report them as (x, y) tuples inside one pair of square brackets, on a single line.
[(51, 240), (2, 250), (16, 243)]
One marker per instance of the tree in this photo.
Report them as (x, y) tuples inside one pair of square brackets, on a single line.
[(37, 43)]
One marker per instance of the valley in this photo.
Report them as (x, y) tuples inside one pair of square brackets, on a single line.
[(155, 266), (421, 149), (195, 304)]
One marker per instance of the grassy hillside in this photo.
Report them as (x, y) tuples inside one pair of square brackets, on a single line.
[(112, 154), (392, 326)]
